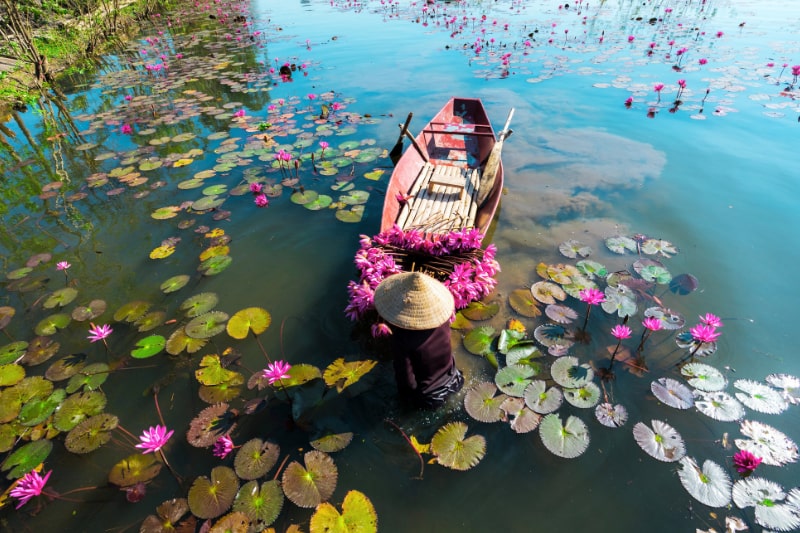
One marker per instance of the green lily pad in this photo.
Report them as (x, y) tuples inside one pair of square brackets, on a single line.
[(591, 269), (358, 515), (12, 352), (300, 374), (28, 284), (481, 403), (210, 424), (352, 215), (583, 397), (89, 377), (6, 314), (90, 311), (253, 319), (354, 197), (224, 392), (553, 335), (621, 244), (214, 190), (568, 440), (514, 379), (374, 175), (163, 213), (341, 374), (331, 440), (60, 298), (569, 373), (454, 450), (199, 303), (255, 458), (542, 400), (174, 283), (19, 273), (212, 373), (91, 433), (262, 505), (169, 518), (149, 346), (37, 411), (192, 183), (136, 468), (40, 350), (342, 186), (214, 265), (323, 201), (211, 497), (523, 302), (652, 271), (8, 437), (132, 311), (207, 202), (481, 310), (180, 341), (77, 408), (10, 404), (207, 325), (66, 367), (303, 197), (51, 324), (11, 374), (479, 340), (313, 484), (26, 458)]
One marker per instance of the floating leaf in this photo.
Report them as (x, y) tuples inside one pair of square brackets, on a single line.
[(454, 450), (788, 385), (90, 311), (514, 379), (710, 486), (13, 351), (163, 213), (522, 301), (51, 324), (358, 516), (656, 246), (180, 341), (542, 400), (210, 498), (547, 292), (132, 311), (149, 346), (352, 215), (569, 373), (683, 284), (210, 424), (481, 403), (89, 377), (760, 397), (774, 447), (553, 335), (583, 397), (573, 249), (618, 302), (253, 319), (6, 314), (330, 440), (313, 484), (207, 325), (211, 371), (300, 374), (591, 269), (670, 320), (60, 298), (661, 442), (766, 497), (77, 408), (136, 468), (621, 245), (199, 303), (479, 340), (91, 433), (341, 374), (11, 374), (521, 418), (36, 411), (214, 265), (480, 310), (261, 505), (174, 283), (255, 458), (612, 416), (26, 458), (719, 405), (673, 393), (560, 313), (40, 350), (704, 377), (568, 440)]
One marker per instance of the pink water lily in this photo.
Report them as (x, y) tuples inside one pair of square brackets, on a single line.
[(223, 446), (704, 333), (621, 331), (745, 462), (261, 200), (276, 371), (255, 187), (153, 439), (711, 320), (99, 333), (62, 265), (30, 485)]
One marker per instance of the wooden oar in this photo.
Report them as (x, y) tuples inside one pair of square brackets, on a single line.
[(397, 151), (422, 154), (492, 166)]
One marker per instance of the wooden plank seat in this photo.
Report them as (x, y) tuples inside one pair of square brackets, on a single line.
[(442, 199)]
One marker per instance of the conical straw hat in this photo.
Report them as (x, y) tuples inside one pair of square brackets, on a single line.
[(413, 300)]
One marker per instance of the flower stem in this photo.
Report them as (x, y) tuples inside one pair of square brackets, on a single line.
[(261, 346), (586, 320), (614, 355), (178, 478)]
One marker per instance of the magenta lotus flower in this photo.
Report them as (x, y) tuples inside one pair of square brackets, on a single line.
[(62, 265), (702, 61), (631, 38), (128, 98), (380, 330), (745, 462), (28, 486), (592, 296), (153, 439), (223, 446), (261, 200), (255, 187), (621, 331), (99, 333), (704, 333), (629, 101), (240, 114), (276, 371), (323, 145), (682, 84), (650, 324), (711, 320), (126, 129)]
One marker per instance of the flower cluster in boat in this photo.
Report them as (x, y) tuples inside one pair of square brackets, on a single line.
[(455, 258)]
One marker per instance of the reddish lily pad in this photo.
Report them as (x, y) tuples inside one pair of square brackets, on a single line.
[(211, 497), (91, 433)]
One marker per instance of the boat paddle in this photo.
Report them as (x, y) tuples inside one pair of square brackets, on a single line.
[(397, 151), (492, 166)]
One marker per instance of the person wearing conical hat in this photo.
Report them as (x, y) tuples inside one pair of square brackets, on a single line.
[(419, 308)]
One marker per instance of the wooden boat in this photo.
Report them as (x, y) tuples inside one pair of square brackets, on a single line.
[(451, 177)]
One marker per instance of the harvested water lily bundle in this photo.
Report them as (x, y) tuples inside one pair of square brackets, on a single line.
[(673, 393), (704, 377), (789, 386), (661, 442), (760, 397), (710, 486), (771, 445), (719, 406), (612, 416), (568, 440), (766, 497)]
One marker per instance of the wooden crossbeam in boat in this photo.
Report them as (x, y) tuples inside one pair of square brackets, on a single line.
[(447, 204)]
